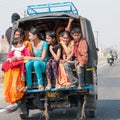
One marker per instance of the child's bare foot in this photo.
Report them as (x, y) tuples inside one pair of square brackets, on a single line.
[(41, 88), (48, 87), (57, 86), (26, 88), (80, 87), (22, 77)]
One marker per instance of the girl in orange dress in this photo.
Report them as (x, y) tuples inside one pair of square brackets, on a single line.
[(68, 47)]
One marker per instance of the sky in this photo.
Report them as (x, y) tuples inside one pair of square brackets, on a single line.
[(103, 14)]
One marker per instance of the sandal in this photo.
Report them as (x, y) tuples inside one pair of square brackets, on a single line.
[(26, 88), (79, 87), (48, 87), (41, 88), (57, 86), (72, 86), (68, 85)]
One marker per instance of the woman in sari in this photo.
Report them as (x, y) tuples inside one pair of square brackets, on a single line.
[(68, 47), (13, 83)]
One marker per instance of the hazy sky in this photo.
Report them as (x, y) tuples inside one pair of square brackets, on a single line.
[(103, 14)]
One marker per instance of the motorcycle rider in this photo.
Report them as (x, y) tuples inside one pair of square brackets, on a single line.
[(110, 56)]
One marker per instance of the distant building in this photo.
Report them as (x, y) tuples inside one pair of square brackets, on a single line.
[(4, 46)]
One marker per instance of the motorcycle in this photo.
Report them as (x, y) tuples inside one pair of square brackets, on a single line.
[(110, 60)]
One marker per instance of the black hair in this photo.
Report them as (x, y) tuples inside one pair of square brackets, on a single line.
[(16, 41), (61, 32), (15, 17), (21, 31), (51, 34), (65, 32), (75, 30), (37, 32)]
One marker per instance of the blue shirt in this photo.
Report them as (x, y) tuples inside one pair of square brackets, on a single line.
[(37, 52)]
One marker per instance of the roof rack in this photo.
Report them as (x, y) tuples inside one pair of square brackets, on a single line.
[(66, 7)]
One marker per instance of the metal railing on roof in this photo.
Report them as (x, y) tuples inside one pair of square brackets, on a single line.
[(65, 7)]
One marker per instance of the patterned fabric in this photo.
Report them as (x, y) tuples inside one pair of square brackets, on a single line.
[(67, 49), (63, 76), (52, 66)]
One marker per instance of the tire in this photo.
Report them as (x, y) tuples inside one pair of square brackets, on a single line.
[(24, 116), (110, 63), (24, 111)]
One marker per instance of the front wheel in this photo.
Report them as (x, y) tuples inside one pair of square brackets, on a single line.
[(110, 63)]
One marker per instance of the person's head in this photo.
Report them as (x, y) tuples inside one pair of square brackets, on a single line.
[(50, 37), (34, 34), (19, 33), (110, 51), (66, 37), (76, 34), (17, 42), (60, 34), (15, 17)]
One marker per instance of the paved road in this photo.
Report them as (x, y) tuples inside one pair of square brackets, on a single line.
[(108, 104)]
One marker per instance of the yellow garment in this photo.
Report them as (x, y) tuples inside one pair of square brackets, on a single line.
[(13, 85), (62, 75), (28, 45), (67, 49), (63, 79)]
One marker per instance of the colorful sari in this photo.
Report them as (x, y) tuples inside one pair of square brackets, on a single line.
[(62, 75), (63, 79), (13, 85)]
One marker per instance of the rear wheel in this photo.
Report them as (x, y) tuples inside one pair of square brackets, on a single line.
[(25, 115), (24, 110)]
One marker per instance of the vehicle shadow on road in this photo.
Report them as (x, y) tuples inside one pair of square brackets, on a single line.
[(58, 114), (106, 110)]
